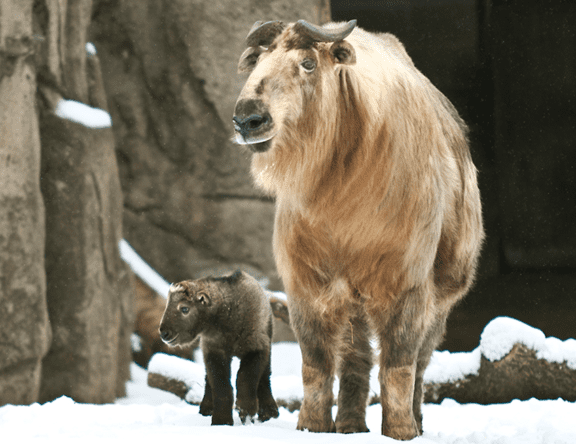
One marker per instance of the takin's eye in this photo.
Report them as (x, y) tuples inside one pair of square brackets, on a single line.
[(308, 65), (184, 309)]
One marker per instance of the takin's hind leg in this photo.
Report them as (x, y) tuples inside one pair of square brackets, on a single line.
[(401, 333), (355, 363), (431, 341)]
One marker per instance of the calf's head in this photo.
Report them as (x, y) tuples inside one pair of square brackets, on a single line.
[(188, 311), (292, 69)]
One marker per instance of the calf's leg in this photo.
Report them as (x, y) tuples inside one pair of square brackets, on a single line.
[(207, 404), (267, 407), (218, 374), (251, 368)]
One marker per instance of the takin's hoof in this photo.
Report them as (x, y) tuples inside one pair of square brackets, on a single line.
[(318, 426), (350, 427), (401, 432)]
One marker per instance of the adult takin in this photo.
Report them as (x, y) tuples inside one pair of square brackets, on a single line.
[(232, 317), (378, 217)]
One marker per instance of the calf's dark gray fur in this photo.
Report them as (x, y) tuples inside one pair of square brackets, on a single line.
[(232, 316)]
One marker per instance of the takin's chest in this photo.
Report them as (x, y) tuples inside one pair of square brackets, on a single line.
[(334, 246)]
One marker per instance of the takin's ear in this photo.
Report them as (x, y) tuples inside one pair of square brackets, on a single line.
[(343, 52), (249, 58)]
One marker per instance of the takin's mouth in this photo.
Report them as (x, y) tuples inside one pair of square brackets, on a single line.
[(255, 144)]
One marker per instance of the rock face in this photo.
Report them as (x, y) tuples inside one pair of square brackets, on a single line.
[(190, 206), (24, 326), (65, 294), (86, 279)]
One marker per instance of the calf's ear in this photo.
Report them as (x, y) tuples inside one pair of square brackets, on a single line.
[(343, 52), (203, 299)]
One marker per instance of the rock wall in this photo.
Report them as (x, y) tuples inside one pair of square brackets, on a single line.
[(24, 325), (190, 206), (65, 294)]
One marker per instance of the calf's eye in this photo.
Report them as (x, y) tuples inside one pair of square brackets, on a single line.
[(185, 310)]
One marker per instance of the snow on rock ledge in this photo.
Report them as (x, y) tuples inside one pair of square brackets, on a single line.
[(502, 333), (496, 341), (83, 114)]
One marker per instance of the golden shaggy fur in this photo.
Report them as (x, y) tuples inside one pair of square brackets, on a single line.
[(378, 224)]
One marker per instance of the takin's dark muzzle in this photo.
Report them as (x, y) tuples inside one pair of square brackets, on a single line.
[(253, 124)]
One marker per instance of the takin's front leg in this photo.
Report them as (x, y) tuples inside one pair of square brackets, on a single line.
[(316, 338), (401, 335), (218, 375), (355, 363)]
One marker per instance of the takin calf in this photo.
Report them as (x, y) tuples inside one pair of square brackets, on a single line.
[(378, 218), (232, 317)]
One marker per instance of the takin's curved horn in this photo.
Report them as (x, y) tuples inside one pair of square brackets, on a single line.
[(262, 34), (319, 34)]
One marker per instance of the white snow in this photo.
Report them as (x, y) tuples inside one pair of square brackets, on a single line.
[(81, 113), (448, 367), (142, 269), (148, 415), (90, 48)]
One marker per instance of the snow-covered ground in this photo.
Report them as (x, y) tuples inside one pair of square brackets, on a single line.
[(149, 415)]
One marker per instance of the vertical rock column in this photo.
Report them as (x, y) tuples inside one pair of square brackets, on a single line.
[(88, 286), (24, 326)]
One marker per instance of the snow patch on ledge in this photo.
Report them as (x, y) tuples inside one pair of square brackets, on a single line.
[(90, 48), (173, 367), (449, 367), (83, 114), (500, 335), (496, 341), (144, 271)]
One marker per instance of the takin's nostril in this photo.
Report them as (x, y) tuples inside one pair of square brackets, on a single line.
[(253, 122), (256, 123)]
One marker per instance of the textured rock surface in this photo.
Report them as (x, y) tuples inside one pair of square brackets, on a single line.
[(171, 81), (24, 327), (89, 288), (86, 279)]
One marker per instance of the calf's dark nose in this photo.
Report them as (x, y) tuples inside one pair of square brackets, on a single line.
[(165, 334)]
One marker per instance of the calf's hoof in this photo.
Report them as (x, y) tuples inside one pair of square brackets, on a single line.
[(222, 419), (206, 409), (268, 411)]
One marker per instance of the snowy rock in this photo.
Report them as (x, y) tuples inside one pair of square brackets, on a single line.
[(500, 335)]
